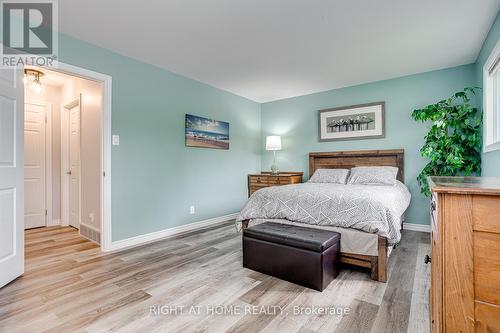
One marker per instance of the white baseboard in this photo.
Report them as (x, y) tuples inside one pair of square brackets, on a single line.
[(154, 236), (417, 227), (53, 223), (90, 227), (90, 232)]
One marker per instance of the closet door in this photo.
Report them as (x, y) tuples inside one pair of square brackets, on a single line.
[(35, 210)]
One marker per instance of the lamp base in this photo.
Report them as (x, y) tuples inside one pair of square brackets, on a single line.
[(274, 170)]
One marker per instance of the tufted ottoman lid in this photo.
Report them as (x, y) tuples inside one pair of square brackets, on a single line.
[(316, 240)]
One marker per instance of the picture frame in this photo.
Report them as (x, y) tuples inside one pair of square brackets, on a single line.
[(354, 122), (201, 132)]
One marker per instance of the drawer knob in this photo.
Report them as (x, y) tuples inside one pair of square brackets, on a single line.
[(427, 259)]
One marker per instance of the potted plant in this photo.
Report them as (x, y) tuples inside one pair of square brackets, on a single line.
[(453, 143)]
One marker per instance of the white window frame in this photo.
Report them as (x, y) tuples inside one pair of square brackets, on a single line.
[(491, 101)]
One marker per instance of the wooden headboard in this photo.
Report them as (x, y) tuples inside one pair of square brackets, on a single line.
[(351, 159)]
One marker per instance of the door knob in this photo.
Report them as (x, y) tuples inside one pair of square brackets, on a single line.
[(427, 259), (69, 172)]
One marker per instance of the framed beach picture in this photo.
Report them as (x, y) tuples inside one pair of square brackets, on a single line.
[(364, 121), (206, 133)]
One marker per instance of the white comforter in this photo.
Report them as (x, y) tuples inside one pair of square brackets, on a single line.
[(370, 208)]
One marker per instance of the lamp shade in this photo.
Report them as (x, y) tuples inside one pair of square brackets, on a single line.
[(273, 142)]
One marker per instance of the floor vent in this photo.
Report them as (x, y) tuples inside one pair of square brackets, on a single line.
[(90, 233)]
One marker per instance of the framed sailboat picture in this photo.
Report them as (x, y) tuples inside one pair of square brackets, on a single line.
[(364, 121)]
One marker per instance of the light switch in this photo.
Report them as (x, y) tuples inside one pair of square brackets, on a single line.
[(116, 140)]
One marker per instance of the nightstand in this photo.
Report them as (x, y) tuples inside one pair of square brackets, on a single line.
[(266, 179)]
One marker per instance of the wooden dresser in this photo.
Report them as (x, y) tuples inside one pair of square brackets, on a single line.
[(465, 254), (266, 179)]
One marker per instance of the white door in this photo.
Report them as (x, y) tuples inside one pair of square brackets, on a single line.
[(74, 162), (11, 175), (34, 166)]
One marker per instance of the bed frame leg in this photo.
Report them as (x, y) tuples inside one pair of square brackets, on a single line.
[(244, 224), (379, 263)]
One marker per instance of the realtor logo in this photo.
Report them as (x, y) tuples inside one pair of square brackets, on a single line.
[(29, 33)]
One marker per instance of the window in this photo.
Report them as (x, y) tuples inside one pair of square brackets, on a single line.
[(491, 100)]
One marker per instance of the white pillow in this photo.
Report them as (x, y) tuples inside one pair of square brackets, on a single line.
[(337, 176), (378, 175)]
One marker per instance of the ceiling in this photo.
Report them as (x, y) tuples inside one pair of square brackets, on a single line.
[(272, 49)]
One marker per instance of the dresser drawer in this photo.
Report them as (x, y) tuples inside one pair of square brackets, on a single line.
[(487, 267), (486, 213), (285, 180), (259, 180), (487, 317), (274, 180)]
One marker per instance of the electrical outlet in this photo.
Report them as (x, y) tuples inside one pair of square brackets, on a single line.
[(191, 210), (91, 217), (115, 140)]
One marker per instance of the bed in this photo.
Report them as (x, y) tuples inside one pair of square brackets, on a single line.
[(365, 242)]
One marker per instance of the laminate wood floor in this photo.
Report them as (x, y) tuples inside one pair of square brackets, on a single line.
[(195, 283)]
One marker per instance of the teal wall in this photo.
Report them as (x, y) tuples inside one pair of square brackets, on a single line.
[(296, 120), (155, 178), (491, 160)]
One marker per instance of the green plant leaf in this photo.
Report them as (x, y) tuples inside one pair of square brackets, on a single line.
[(453, 142)]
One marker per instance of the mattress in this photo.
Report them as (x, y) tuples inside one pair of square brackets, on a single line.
[(372, 209)]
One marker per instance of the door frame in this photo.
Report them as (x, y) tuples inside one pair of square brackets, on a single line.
[(48, 158), (48, 165), (65, 129), (106, 81)]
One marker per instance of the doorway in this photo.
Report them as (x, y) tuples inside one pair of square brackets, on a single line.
[(67, 113), (12, 167)]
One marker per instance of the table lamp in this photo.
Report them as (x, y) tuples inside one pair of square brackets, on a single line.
[(273, 142)]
